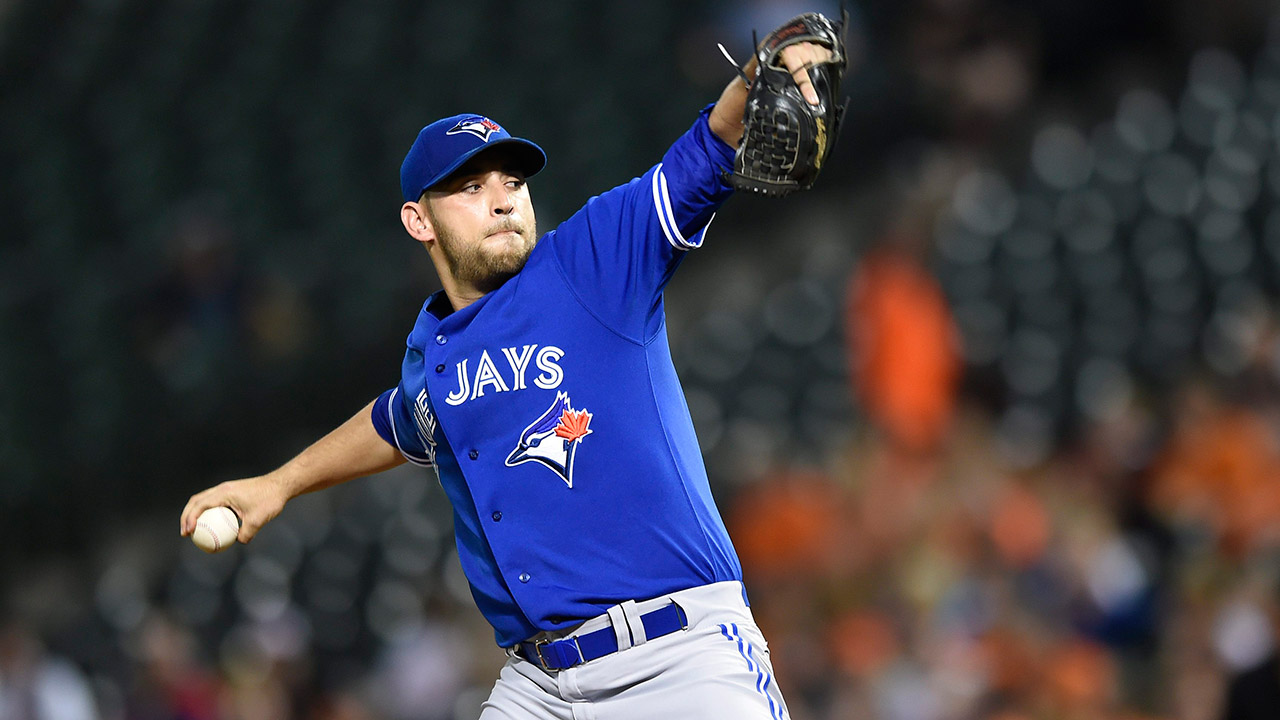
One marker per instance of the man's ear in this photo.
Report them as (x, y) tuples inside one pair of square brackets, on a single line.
[(414, 218)]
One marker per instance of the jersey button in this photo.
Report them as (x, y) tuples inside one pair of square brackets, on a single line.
[(440, 368), (497, 516), (524, 577), (440, 339), (473, 454)]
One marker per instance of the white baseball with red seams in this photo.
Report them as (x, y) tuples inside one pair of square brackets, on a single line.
[(216, 529)]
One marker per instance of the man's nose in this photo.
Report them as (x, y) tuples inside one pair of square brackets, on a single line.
[(501, 201)]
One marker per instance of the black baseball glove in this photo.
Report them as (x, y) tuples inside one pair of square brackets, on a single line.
[(786, 140)]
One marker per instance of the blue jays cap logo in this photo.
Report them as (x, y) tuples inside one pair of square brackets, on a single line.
[(481, 127), (553, 438)]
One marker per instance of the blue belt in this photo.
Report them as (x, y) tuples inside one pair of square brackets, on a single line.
[(572, 651)]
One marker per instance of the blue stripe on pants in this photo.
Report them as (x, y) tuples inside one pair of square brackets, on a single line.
[(763, 677)]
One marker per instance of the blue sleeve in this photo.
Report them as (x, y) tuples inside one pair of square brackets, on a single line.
[(621, 248), (394, 423)]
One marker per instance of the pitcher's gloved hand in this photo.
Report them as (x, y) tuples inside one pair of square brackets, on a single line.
[(793, 109)]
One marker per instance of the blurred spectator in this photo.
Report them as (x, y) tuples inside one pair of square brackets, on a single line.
[(35, 685), (805, 517), (171, 681), (422, 671), (903, 358), (264, 666), (1245, 635), (1220, 471)]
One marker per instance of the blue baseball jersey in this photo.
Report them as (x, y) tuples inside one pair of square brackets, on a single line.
[(552, 414)]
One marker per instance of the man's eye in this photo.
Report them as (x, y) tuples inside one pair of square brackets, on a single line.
[(515, 184)]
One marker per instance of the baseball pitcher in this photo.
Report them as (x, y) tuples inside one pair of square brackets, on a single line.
[(538, 385)]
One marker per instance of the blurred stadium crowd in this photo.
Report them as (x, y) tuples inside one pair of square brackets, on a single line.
[(993, 414)]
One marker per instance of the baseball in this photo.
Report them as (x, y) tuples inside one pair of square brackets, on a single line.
[(216, 529)]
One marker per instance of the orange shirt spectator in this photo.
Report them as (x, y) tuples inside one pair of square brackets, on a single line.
[(903, 358)]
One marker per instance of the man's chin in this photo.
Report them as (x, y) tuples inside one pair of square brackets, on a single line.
[(500, 271), (487, 269)]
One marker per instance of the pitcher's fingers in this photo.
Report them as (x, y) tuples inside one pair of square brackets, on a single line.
[(800, 73), (189, 513), (793, 56), (198, 503), (805, 84), (797, 59)]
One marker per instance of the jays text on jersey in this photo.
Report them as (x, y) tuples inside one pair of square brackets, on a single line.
[(553, 417)]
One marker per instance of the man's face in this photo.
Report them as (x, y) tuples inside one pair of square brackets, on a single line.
[(484, 221)]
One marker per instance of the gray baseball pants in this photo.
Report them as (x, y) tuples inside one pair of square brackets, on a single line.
[(716, 668)]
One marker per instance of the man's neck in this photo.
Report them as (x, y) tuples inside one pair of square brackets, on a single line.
[(461, 300), (460, 294)]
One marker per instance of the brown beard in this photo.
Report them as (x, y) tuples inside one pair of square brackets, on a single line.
[(469, 264)]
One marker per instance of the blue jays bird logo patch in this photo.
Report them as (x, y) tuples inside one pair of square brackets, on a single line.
[(553, 438), (481, 127)]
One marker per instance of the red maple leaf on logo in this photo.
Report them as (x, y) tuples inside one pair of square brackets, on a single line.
[(573, 424)]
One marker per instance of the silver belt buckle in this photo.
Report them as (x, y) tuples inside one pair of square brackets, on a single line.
[(537, 650)]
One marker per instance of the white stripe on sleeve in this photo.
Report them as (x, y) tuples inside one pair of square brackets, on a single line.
[(667, 218), (391, 418)]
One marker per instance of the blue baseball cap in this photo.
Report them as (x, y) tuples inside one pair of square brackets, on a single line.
[(444, 145)]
